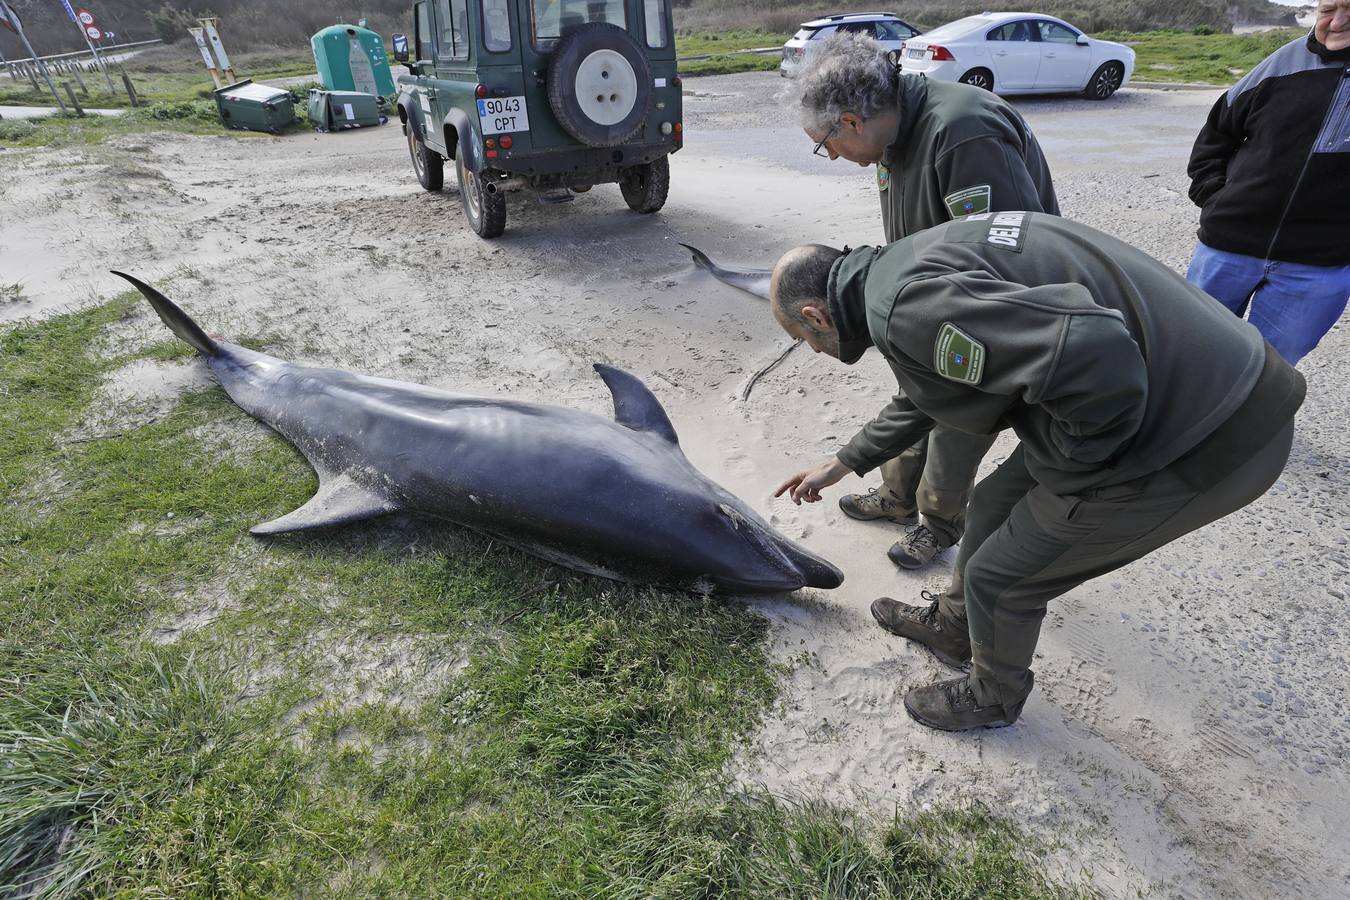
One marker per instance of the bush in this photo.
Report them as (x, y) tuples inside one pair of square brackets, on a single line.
[(16, 129), (170, 112), (1203, 29), (168, 24)]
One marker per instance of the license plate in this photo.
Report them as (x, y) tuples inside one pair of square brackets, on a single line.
[(918, 54), (499, 115)]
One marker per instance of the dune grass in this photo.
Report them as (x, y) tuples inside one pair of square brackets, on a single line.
[(399, 708), (1185, 56), (1200, 56)]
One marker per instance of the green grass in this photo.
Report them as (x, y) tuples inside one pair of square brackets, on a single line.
[(1182, 56), (398, 708), (724, 59), (174, 88), (189, 117)]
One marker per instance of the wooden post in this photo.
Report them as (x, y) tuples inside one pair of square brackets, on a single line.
[(131, 91), (32, 78), (74, 101), (75, 70)]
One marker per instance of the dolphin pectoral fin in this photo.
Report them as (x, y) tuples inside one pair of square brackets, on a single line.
[(635, 406), (339, 499)]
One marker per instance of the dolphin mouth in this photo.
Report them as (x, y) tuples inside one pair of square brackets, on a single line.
[(820, 573), (785, 557)]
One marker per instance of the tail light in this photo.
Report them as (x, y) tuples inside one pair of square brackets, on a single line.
[(505, 142), (677, 81), (939, 54), (481, 90)]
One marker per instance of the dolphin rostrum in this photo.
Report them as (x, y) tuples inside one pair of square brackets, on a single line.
[(752, 281), (614, 497)]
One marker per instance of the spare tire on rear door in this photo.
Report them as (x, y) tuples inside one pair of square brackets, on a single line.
[(599, 84)]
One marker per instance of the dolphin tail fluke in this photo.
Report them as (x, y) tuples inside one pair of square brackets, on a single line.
[(700, 258), (177, 320)]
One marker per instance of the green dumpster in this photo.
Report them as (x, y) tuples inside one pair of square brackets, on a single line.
[(351, 58), (255, 107), (332, 110)]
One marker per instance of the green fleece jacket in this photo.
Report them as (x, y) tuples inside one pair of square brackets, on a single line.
[(958, 150), (1106, 364)]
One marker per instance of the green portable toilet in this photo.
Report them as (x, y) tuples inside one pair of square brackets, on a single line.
[(352, 58), (255, 107)]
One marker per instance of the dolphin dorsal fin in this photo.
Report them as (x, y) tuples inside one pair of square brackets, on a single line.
[(635, 406)]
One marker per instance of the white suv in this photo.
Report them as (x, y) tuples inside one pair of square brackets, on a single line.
[(885, 27)]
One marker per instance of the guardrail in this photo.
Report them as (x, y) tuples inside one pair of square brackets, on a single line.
[(729, 53), (53, 57)]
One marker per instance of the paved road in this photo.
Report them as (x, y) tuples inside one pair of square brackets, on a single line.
[(38, 112)]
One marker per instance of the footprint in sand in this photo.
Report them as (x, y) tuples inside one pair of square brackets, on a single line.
[(790, 523), (740, 464), (862, 691)]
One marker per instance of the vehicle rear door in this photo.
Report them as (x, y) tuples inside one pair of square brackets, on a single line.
[(1015, 53), (542, 23), (1064, 62)]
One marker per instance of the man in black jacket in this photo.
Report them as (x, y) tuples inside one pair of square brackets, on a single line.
[(1271, 173)]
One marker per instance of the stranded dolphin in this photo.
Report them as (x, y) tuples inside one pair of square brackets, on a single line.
[(752, 281), (614, 497)]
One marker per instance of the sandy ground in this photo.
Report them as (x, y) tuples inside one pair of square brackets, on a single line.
[(1189, 732)]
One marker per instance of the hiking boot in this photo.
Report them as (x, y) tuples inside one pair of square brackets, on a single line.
[(951, 706), (876, 505), (916, 549), (923, 625)]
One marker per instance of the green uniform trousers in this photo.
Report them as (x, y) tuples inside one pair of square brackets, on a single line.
[(936, 477), (1025, 545)]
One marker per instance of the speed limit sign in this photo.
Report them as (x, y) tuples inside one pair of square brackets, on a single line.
[(85, 17), (93, 32)]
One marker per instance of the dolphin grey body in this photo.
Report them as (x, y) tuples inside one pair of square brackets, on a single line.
[(614, 497), (752, 281)]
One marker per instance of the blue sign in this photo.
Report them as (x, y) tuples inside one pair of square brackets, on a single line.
[(70, 12)]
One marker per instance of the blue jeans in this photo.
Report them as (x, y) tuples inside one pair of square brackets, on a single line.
[(1291, 304)]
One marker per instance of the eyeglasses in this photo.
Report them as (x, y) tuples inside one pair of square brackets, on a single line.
[(821, 145)]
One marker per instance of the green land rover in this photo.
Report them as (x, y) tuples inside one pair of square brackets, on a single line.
[(550, 96)]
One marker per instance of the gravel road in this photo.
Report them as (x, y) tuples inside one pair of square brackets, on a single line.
[(1190, 729)]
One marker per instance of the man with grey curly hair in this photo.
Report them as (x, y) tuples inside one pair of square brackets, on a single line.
[(942, 151)]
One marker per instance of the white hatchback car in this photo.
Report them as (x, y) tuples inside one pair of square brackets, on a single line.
[(1019, 53), (885, 27)]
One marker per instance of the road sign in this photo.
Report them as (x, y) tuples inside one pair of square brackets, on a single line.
[(10, 19), (85, 17), (93, 32)]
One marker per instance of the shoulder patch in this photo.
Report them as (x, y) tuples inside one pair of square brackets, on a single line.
[(883, 176), (968, 201), (958, 356)]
